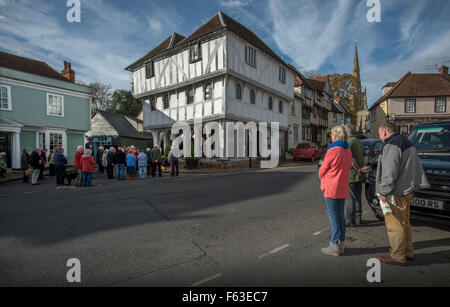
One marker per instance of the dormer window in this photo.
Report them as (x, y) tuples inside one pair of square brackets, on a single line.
[(149, 69), (195, 52), (282, 74), (250, 55)]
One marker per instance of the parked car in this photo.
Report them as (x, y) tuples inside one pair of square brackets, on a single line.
[(372, 148), (307, 150), (360, 135), (432, 141)]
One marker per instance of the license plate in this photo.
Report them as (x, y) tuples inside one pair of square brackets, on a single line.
[(427, 203)]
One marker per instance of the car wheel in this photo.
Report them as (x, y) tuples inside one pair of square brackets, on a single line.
[(379, 215)]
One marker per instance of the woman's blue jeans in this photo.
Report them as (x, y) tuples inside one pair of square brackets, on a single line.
[(336, 208)]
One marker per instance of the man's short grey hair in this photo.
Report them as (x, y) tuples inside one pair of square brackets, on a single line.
[(350, 130), (87, 152), (389, 127)]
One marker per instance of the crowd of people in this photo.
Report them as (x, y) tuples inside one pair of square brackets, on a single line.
[(112, 162), (341, 176), (137, 162)]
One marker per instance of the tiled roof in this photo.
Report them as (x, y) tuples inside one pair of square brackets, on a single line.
[(217, 22), (28, 65), (390, 84), (123, 126), (317, 85), (323, 78), (167, 44), (418, 85)]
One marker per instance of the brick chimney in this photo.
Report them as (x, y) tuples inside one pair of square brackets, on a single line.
[(443, 70), (68, 73)]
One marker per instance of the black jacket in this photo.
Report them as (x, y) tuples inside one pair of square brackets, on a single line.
[(25, 161), (120, 157), (35, 159)]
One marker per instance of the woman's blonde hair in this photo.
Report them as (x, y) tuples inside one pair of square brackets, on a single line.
[(339, 133)]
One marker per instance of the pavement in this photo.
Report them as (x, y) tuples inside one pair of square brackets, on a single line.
[(235, 228)]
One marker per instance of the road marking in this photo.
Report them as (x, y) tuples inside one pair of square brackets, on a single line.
[(206, 280), (276, 250), (320, 231), (30, 192)]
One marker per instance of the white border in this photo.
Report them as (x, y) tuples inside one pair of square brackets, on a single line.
[(44, 88), (62, 105), (9, 98)]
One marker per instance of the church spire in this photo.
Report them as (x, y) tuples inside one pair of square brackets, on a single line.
[(356, 72)]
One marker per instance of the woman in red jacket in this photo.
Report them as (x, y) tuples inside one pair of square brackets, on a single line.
[(335, 175), (87, 166)]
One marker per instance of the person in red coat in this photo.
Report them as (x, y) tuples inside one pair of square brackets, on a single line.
[(78, 157), (335, 175), (87, 167)]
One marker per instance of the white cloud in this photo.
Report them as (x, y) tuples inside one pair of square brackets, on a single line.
[(234, 3), (155, 26), (99, 48)]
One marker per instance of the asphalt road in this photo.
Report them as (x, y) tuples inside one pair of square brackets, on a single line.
[(261, 228)]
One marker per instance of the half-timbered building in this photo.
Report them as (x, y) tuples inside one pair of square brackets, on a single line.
[(221, 72)]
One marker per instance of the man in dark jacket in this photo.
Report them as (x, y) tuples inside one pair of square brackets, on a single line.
[(35, 162), (399, 174), (43, 163), (156, 160), (110, 162), (149, 161), (25, 165), (60, 166), (120, 160), (98, 159)]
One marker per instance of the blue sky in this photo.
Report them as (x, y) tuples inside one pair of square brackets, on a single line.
[(313, 34)]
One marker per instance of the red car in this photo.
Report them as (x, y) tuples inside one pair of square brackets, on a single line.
[(308, 151)]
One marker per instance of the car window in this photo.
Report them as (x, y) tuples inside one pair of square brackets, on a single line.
[(432, 138), (303, 146)]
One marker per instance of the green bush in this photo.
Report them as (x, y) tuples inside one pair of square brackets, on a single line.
[(166, 151)]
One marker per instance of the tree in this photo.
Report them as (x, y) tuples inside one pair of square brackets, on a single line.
[(311, 73), (101, 97), (343, 87), (124, 103)]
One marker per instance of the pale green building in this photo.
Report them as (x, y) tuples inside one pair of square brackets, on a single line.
[(40, 108)]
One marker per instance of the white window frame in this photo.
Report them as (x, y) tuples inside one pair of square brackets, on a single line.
[(47, 133), (8, 88), (443, 100), (62, 105)]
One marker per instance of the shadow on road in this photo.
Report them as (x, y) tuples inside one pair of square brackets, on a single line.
[(56, 216), (421, 259)]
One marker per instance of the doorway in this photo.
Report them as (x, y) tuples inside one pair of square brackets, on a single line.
[(5, 145)]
